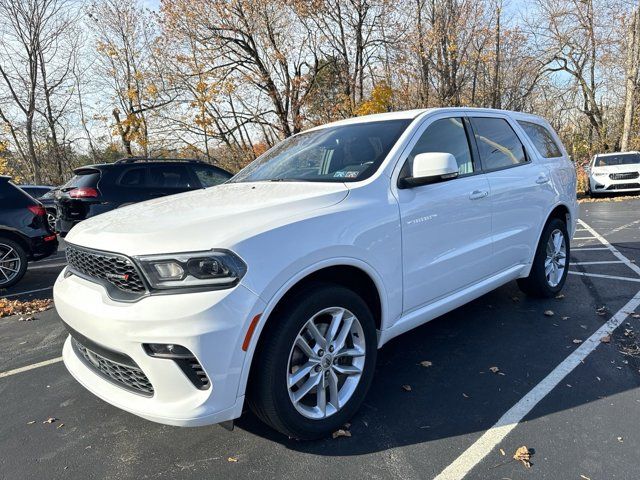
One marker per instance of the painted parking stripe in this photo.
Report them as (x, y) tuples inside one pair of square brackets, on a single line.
[(510, 420), (49, 265), (584, 249), (584, 238), (613, 249), (603, 262), (610, 277), (26, 293), (8, 373)]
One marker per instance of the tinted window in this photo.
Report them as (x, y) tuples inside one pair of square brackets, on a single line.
[(13, 196), (170, 176), (209, 176), (498, 144), (344, 153), (622, 159), (36, 192), (447, 136), (134, 177), (83, 178), (542, 139)]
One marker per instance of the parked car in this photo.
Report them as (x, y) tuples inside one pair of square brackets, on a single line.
[(24, 233), (278, 287), (614, 172), (97, 189), (45, 195)]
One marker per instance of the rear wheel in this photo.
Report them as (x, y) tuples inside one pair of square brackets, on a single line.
[(13, 262), (316, 362), (550, 264)]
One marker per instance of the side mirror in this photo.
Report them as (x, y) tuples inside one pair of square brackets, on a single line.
[(431, 167)]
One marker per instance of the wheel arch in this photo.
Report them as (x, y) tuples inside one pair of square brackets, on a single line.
[(16, 237), (349, 272)]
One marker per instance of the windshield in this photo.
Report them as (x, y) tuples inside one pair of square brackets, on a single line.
[(622, 159), (346, 153)]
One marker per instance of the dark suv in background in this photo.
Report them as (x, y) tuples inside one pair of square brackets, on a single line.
[(100, 188), (24, 233)]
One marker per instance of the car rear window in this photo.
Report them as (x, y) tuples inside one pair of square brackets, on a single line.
[(12, 196), (83, 178), (542, 139)]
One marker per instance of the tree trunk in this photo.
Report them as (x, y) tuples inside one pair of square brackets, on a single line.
[(633, 38)]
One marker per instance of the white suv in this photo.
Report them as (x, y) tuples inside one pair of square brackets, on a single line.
[(279, 286), (614, 172)]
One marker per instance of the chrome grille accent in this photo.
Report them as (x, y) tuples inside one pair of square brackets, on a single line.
[(115, 269), (129, 377), (624, 176)]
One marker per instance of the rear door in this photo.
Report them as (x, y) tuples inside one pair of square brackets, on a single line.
[(521, 191), (446, 227)]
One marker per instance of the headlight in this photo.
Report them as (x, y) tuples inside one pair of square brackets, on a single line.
[(214, 269)]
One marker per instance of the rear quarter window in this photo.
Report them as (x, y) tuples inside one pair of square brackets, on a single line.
[(83, 178), (541, 138)]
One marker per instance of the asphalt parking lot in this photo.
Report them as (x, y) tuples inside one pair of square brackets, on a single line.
[(562, 388)]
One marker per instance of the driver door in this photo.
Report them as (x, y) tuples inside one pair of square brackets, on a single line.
[(446, 226)]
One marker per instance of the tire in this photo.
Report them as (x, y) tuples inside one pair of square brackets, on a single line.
[(279, 358), (13, 263), (538, 283)]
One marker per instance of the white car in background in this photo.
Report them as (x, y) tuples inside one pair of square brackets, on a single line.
[(614, 172), (278, 287)]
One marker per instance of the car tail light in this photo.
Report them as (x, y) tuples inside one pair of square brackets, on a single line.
[(83, 192), (49, 238), (37, 210)]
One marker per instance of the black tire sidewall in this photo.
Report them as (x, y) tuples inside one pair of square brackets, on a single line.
[(23, 262), (292, 319), (541, 254)]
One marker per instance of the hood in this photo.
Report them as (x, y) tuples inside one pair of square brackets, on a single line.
[(633, 167), (216, 217)]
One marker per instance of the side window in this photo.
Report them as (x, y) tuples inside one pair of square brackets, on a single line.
[(134, 177), (541, 138), (170, 176), (447, 136), (498, 144), (209, 176)]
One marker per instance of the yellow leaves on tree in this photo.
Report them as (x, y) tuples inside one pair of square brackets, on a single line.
[(380, 101)]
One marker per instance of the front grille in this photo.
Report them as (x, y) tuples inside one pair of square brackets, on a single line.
[(623, 186), (624, 176), (115, 269), (130, 377)]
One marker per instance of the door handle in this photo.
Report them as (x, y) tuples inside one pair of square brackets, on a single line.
[(542, 179), (478, 194)]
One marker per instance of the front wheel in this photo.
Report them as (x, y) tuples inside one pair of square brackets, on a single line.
[(551, 262), (315, 363)]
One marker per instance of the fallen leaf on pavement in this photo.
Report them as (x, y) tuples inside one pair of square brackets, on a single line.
[(28, 308), (565, 318), (515, 299), (341, 433), (560, 296), (232, 459), (601, 311), (31, 422), (523, 455), (577, 341), (549, 313), (502, 452), (636, 315), (465, 395), (606, 339), (406, 388), (494, 369), (584, 477), (620, 439), (426, 363), (60, 426), (50, 420)]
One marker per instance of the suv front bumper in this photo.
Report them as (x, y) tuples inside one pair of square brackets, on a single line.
[(212, 325)]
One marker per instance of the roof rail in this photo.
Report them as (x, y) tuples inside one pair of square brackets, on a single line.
[(157, 159)]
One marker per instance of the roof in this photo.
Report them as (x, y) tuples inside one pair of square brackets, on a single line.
[(633, 152)]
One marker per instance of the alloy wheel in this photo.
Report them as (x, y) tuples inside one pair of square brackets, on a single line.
[(10, 264), (555, 262), (326, 363)]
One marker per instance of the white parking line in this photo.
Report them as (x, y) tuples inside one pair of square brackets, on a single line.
[(49, 265), (603, 262), (613, 249), (599, 275), (492, 437), (584, 238), (584, 249), (622, 227), (27, 292), (462, 465), (8, 373)]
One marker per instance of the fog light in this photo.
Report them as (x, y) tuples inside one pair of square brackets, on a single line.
[(184, 358)]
